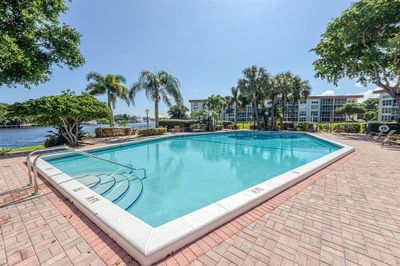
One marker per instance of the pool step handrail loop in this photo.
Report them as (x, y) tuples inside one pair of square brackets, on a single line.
[(33, 179)]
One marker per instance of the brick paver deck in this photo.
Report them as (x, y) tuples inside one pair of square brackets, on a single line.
[(346, 214)]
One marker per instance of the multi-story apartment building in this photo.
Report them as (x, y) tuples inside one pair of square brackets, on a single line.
[(311, 109), (387, 110)]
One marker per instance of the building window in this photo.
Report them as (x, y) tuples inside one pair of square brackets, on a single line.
[(302, 119), (314, 113), (314, 107), (314, 102), (387, 102), (302, 113)]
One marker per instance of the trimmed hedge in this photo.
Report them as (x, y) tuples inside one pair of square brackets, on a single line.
[(346, 127), (103, 132), (152, 131), (171, 123)]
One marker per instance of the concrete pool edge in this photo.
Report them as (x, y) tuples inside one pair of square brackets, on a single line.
[(148, 244)]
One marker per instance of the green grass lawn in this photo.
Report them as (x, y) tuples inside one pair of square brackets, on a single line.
[(28, 148)]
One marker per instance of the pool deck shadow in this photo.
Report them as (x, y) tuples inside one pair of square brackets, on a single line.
[(347, 213)]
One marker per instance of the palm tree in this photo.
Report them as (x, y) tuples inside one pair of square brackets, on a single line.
[(215, 103), (301, 89), (157, 86), (112, 85), (235, 101), (254, 78)]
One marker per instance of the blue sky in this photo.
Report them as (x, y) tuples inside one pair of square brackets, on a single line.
[(205, 44)]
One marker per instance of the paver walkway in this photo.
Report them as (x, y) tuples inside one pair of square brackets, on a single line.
[(347, 214)]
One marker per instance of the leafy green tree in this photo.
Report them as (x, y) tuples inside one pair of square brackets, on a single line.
[(250, 85), (351, 110), (112, 86), (370, 106), (178, 111), (32, 40), (363, 43), (158, 87), (65, 112), (199, 115)]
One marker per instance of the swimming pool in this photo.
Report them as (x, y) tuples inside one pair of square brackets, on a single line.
[(190, 183)]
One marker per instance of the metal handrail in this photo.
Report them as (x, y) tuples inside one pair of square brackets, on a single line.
[(33, 180)]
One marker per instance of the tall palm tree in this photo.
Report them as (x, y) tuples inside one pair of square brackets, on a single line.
[(235, 101), (158, 87), (254, 78), (112, 85), (301, 89)]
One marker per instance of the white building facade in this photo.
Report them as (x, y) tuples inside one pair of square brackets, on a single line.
[(387, 110), (312, 109)]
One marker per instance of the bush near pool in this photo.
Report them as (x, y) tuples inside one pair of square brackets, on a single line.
[(152, 131), (182, 123), (103, 132)]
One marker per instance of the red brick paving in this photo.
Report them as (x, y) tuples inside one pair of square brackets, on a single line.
[(346, 214)]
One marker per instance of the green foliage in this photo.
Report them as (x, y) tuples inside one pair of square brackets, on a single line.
[(196, 126), (51, 141), (350, 110), (103, 132), (103, 121), (152, 131), (219, 127), (199, 115), (363, 43), (123, 122), (112, 85), (27, 148), (4, 150), (178, 111), (226, 123), (32, 40), (182, 123), (157, 87), (302, 126), (215, 103), (346, 127), (66, 112), (371, 109)]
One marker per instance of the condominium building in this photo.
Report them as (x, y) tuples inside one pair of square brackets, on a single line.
[(311, 109), (387, 110)]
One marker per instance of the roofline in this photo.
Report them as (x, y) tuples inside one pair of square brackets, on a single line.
[(335, 96), (317, 97)]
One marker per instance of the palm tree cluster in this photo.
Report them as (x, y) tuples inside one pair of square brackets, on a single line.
[(258, 86), (158, 87)]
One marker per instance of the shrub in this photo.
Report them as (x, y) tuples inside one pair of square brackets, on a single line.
[(346, 127), (287, 125), (152, 131), (195, 126), (226, 123), (103, 132), (4, 150), (219, 127), (302, 126), (51, 141), (182, 123)]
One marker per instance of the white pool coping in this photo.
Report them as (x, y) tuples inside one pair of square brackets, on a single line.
[(148, 244)]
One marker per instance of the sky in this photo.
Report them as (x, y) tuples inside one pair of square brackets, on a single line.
[(205, 44)]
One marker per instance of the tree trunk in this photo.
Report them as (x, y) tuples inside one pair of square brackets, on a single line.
[(112, 114), (255, 109), (273, 114), (156, 112), (283, 112)]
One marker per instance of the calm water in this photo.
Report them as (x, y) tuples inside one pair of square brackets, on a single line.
[(186, 173), (21, 137)]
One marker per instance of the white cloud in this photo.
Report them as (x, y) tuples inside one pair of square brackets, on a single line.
[(358, 85), (328, 93), (368, 94)]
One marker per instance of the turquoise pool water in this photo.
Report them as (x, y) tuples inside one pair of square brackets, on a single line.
[(186, 173)]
